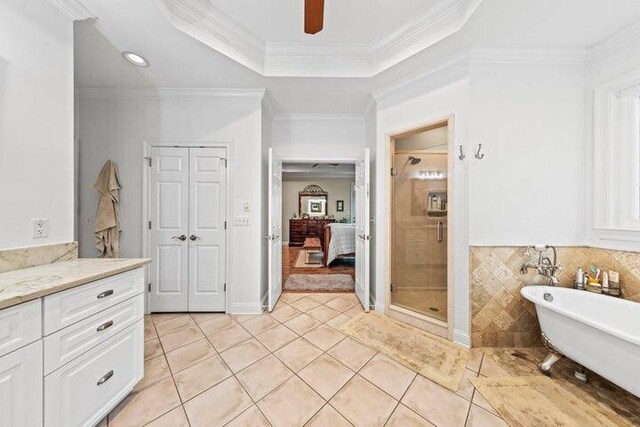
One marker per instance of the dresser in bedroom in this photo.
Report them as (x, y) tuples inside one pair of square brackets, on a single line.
[(300, 229)]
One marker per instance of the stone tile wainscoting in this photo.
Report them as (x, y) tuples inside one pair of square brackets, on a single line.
[(501, 317), (33, 256)]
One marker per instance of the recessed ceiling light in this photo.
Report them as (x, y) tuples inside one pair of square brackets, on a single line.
[(135, 59)]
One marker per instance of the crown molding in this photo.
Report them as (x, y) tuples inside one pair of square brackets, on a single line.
[(72, 8), (319, 118), (616, 42), (206, 23), (505, 55), (245, 96), (446, 71)]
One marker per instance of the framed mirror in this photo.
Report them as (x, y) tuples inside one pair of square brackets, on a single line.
[(312, 201)]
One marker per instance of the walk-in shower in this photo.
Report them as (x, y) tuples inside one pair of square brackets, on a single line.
[(419, 227)]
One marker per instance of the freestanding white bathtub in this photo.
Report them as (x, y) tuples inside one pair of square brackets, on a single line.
[(600, 332)]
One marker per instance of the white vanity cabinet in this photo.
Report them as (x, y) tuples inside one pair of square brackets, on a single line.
[(69, 358)]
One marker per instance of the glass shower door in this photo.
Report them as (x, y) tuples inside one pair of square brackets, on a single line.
[(419, 233)]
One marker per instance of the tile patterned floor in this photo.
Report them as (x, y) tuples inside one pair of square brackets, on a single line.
[(291, 367)]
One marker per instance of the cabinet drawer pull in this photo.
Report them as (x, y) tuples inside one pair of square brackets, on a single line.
[(105, 325), (105, 294), (105, 378)]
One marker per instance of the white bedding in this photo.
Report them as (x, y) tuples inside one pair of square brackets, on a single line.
[(343, 241)]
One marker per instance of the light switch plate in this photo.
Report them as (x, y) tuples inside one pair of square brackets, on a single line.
[(39, 228), (241, 221)]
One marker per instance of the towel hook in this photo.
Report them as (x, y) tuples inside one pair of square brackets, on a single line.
[(478, 155), (462, 155)]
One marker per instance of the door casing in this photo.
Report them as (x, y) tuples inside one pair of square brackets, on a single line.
[(147, 144)]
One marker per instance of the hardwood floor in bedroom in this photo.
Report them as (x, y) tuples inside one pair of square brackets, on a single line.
[(289, 256)]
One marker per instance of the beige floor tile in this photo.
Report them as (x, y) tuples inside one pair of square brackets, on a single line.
[(478, 417), (217, 324), (435, 403), (291, 404), (174, 418), (490, 368), (338, 321), (152, 348), (218, 405), (190, 354), (363, 404), (465, 389), (389, 375), (298, 354), (305, 304), (149, 329), (144, 406), (252, 417), (244, 354), (326, 375), (350, 297), (161, 317), (340, 304), (328, 417), (263, 376), (154, 370), (478, 399), (241, 318), (352, 353), (260, 324), (323, 297), (475, 359), (280, 304), (277, 337), (405, 417), (290, 297), (229, 337), (203, 317), (302, 324), (201, 376), (324, 337), (355, 310), (284, 313), (174, 325), (323, 313), (181, 338)]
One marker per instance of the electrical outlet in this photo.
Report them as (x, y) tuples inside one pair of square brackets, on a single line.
[(39, 228), (241, 221)]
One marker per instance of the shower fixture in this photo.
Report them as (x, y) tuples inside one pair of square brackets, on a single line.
[(414, 160)]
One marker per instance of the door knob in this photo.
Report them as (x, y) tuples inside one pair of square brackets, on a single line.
[(182, 237), (193, 237)]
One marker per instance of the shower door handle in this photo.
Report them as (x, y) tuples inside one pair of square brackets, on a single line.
[(440, 232)]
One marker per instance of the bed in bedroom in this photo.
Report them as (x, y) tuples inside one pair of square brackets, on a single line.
[(338, 242)]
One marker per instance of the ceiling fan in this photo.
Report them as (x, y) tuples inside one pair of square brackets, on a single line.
[(313, 16)]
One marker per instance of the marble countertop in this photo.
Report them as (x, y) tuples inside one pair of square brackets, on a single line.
[(27, 284)]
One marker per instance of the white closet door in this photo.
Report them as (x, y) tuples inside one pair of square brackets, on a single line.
[(169, 200), (363, 237), (207, 240)]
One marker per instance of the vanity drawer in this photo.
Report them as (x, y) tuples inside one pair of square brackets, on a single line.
[(82, 392), (68, 307), (20, 325), (65, 345)]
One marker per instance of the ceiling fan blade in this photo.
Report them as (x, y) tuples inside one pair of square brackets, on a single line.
[(313, 16)]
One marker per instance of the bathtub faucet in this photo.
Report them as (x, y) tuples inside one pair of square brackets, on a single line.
[(545, 266)]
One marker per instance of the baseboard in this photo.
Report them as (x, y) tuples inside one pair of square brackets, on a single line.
[(245, 308), (462, 338), (264, 301)]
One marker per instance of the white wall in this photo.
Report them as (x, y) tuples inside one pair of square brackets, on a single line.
[(36, 122), (266, 130), (337, 189), (114, 127), (529, 188), (312, 137), (452, 99)]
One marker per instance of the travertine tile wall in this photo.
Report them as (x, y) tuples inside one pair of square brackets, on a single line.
[(16, 259), (501, 317)]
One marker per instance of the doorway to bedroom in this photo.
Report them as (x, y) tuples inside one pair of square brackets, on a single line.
[(318, 227)]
